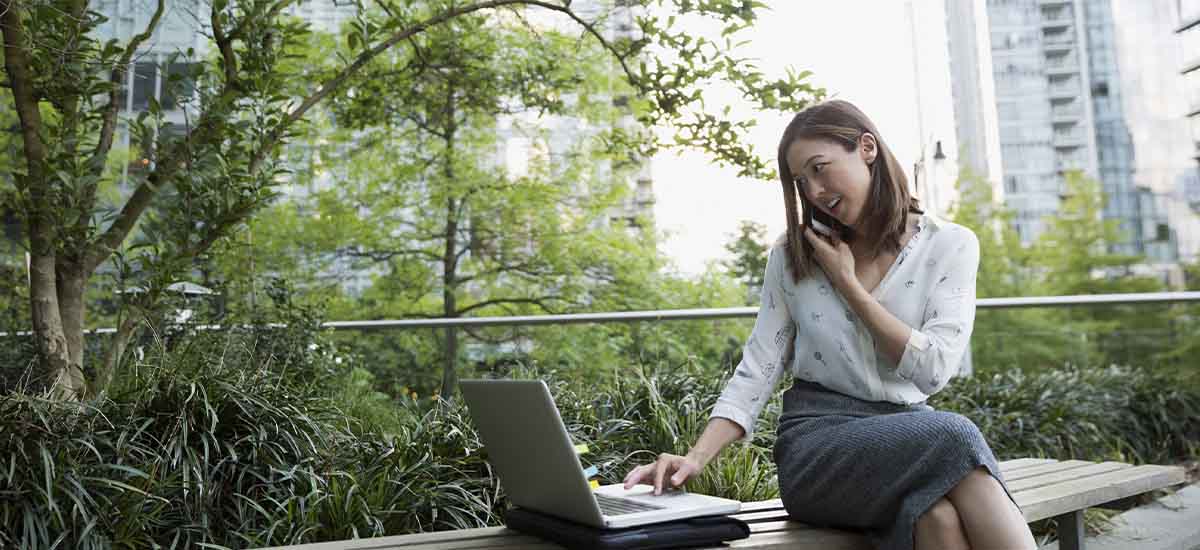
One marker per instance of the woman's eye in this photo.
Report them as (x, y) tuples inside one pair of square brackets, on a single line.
[(817, 167)]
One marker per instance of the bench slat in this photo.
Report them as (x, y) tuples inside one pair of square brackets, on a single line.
[(809, 539), (1053, 500), (492, 543), (779, 525), (1044, 469), (758, 506), (459, 536), (1019, 463), (1052, 478)]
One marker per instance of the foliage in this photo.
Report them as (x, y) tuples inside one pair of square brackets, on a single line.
[(212, 446), (749, 250), (195, 183), (1069, 258)]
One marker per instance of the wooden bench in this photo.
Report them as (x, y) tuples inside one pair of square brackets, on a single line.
[(1044, 488)]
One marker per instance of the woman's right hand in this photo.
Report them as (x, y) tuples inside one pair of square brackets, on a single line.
[(668, 467)]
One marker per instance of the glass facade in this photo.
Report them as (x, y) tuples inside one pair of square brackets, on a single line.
[(1059, 100)]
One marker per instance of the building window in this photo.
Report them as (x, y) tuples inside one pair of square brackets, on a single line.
[(1162, 233), (143, 85), (177, 86)]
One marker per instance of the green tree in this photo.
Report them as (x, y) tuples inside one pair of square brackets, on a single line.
[(249, 98), (1017, 337), (1074, 254), (1069, 258), (749, 249)]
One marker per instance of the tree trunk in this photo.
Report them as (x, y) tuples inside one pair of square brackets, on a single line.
[(70, 283), (450, 260), (449, 304), (112, 355), (48, 330)]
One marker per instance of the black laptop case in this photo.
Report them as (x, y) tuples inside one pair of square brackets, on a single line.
[(680, 533)]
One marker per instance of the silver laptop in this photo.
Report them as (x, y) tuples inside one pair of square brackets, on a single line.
[(529, 447)]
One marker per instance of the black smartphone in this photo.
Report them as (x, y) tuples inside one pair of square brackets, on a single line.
[(821, 228)]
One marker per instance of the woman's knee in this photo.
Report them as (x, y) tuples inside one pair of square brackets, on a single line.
[(963, 430), (940, 526)]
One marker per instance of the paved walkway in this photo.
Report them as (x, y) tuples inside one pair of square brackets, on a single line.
[(1169, 523)]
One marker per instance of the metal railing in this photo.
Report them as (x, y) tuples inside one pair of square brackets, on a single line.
[(709, 313), (750, 311)]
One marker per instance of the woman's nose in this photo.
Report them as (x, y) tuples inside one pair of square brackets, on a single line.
[(814, 190)]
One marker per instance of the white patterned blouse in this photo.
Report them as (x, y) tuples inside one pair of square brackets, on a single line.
[(812, 331)]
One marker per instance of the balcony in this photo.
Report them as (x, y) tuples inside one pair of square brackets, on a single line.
[(1056, 19), (1065, 164), (1069, 140), (1060, 42), (1066, 114), (1064, 91), (1062, 65)]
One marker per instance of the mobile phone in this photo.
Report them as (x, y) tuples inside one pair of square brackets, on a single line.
[(821, 228)]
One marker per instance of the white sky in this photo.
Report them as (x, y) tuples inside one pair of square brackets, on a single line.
[(858, 50)]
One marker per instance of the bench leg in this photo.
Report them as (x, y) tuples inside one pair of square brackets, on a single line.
[(1070, 530)]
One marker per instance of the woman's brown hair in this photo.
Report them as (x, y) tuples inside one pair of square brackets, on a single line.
[(888, 200)]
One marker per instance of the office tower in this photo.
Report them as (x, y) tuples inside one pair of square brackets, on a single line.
[(1187, 51), (1059, 101), (1156, 110), (974, 91), (936, 163)]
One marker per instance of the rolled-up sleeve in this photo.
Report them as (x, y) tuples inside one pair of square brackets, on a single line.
[(765, 355), (934, 352)]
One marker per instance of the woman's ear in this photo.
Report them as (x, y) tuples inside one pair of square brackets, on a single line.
[(868, 148)]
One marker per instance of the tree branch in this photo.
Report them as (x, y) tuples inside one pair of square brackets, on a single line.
[(145, 192), (386, 255), (108, 126), (338, 80), (525, 268), (16, 62), (240, 30), (539, 301), (225, 45)]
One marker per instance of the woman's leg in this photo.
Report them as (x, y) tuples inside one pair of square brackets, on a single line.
[(989, 517), (940, 528)]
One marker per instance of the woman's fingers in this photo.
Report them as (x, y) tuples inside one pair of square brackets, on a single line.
[(668, 468), (635, 475), (820, 245), (684, 472), (659, 473)]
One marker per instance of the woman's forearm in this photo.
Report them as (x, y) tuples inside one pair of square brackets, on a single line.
[(717, 434), (890, 333)]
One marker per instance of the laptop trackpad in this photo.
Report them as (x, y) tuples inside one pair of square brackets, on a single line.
[(674, 498)]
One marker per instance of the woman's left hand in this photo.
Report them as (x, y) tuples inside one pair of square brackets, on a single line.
[(835, 258)]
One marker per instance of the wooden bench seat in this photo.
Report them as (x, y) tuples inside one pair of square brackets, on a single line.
[(1044, 488)]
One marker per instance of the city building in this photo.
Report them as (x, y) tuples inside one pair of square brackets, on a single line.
[(1059, 97), (937, 144), (974, 91), (1156, 107), (1186, 14)]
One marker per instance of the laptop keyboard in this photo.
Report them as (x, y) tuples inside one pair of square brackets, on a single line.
[(615, 506)]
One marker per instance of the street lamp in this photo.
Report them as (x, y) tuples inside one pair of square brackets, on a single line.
[(927, 187)]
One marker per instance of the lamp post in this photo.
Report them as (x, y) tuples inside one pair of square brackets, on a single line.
[(927, 185)]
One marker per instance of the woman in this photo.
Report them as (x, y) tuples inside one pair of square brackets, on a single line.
[(870, 319)]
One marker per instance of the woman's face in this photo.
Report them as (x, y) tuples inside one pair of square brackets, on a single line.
[(826, 172)]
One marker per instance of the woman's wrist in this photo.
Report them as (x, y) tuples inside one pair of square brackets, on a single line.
[(857, 296), (701, 456)]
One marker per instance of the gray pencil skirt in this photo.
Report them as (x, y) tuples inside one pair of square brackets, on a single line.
[(869, 466)]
